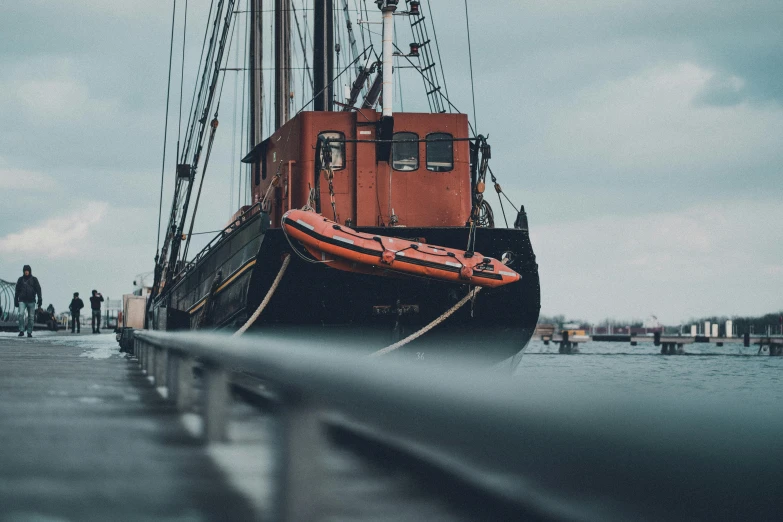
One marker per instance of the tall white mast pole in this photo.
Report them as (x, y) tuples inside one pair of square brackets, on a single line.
[(388, 7)]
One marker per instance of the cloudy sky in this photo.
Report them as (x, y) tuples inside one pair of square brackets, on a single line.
[(642, 137)]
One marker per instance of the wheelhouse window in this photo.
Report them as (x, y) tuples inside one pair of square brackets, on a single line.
[(405, 151), (440, 152), (337, 147)]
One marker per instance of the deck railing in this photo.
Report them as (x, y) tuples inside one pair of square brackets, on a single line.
[(561, 452)]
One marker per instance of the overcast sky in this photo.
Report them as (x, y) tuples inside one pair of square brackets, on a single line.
[(643, 138)]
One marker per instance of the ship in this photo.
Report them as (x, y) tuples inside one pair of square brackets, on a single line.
[(369, 173)]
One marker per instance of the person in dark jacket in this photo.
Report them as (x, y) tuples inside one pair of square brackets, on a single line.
[(95, 304), (27, 289), (75, 307)]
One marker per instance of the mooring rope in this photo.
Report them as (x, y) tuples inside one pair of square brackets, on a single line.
[(448, 313), (266, 300)]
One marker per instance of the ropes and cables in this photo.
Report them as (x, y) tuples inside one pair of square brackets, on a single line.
[(207, 232), (211, 58), (267, 297), (437, 47), (470, 60), (398, 96), (166, 125), (434, 86), (303, 45), (182, 75), (448, 313), (427, 67), (214, 126), (184, 154)]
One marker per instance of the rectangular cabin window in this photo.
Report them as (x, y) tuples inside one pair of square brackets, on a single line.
[(337, 147), (440, 152), (405, 151)]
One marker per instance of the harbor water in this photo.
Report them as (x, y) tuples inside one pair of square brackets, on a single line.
[(732, 373)]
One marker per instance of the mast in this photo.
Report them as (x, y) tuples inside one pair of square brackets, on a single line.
[(168, 262), (282, 61), (256, 62), (323, 57)]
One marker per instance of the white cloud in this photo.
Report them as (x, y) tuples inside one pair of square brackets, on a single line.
[(649, 123), (60, 237), (21, 179), (707, 259), (53, 98)]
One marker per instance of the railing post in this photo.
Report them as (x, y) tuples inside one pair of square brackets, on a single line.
[(184, 382), (302, 441), (143, 355), (161, 366), (216, 404), (153, 361), (172, 369)]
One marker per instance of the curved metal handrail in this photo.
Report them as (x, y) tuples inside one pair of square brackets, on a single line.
[(549, 452), (7, 291)]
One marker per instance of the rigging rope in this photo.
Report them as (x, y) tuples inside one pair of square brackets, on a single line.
[(214, 125), (303, 44), (182, 74), (267, 298), (470, 58), (185, 150), (166, 125), (448, 313), (437, 47)]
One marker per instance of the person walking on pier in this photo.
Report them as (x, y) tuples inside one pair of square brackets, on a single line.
[(95, 304), (27, 289), (76, 307)]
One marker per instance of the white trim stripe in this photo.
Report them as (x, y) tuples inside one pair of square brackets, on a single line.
[(343, 239), (305, 224)]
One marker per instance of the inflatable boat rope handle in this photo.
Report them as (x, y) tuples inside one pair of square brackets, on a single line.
[(268, 296)]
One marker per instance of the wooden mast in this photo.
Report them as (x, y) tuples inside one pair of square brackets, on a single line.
[(282, 61), (255, 63), (323, 56)]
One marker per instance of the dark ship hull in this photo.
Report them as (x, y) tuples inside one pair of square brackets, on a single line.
[(227, 283)]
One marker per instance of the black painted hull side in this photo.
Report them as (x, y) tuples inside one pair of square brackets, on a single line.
[(320, 301)]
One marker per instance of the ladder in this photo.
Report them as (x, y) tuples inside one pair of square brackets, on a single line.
[(428, 66)]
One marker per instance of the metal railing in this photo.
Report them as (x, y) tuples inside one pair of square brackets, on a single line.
[(560, 453), (229, 230), (7, 308)]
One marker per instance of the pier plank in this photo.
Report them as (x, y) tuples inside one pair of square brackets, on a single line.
[(85, 437)]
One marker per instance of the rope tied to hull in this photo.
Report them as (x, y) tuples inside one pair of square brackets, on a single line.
[(267, 298), (448, 313)]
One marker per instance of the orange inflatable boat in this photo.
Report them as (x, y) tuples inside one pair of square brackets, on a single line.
[(345, 249)]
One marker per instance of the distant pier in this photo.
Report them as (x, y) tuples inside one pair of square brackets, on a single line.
[(670, 344)]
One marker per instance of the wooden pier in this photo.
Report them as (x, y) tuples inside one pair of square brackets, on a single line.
[(670, 344)]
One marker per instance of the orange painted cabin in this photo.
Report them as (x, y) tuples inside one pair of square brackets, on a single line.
[(430, 181)]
